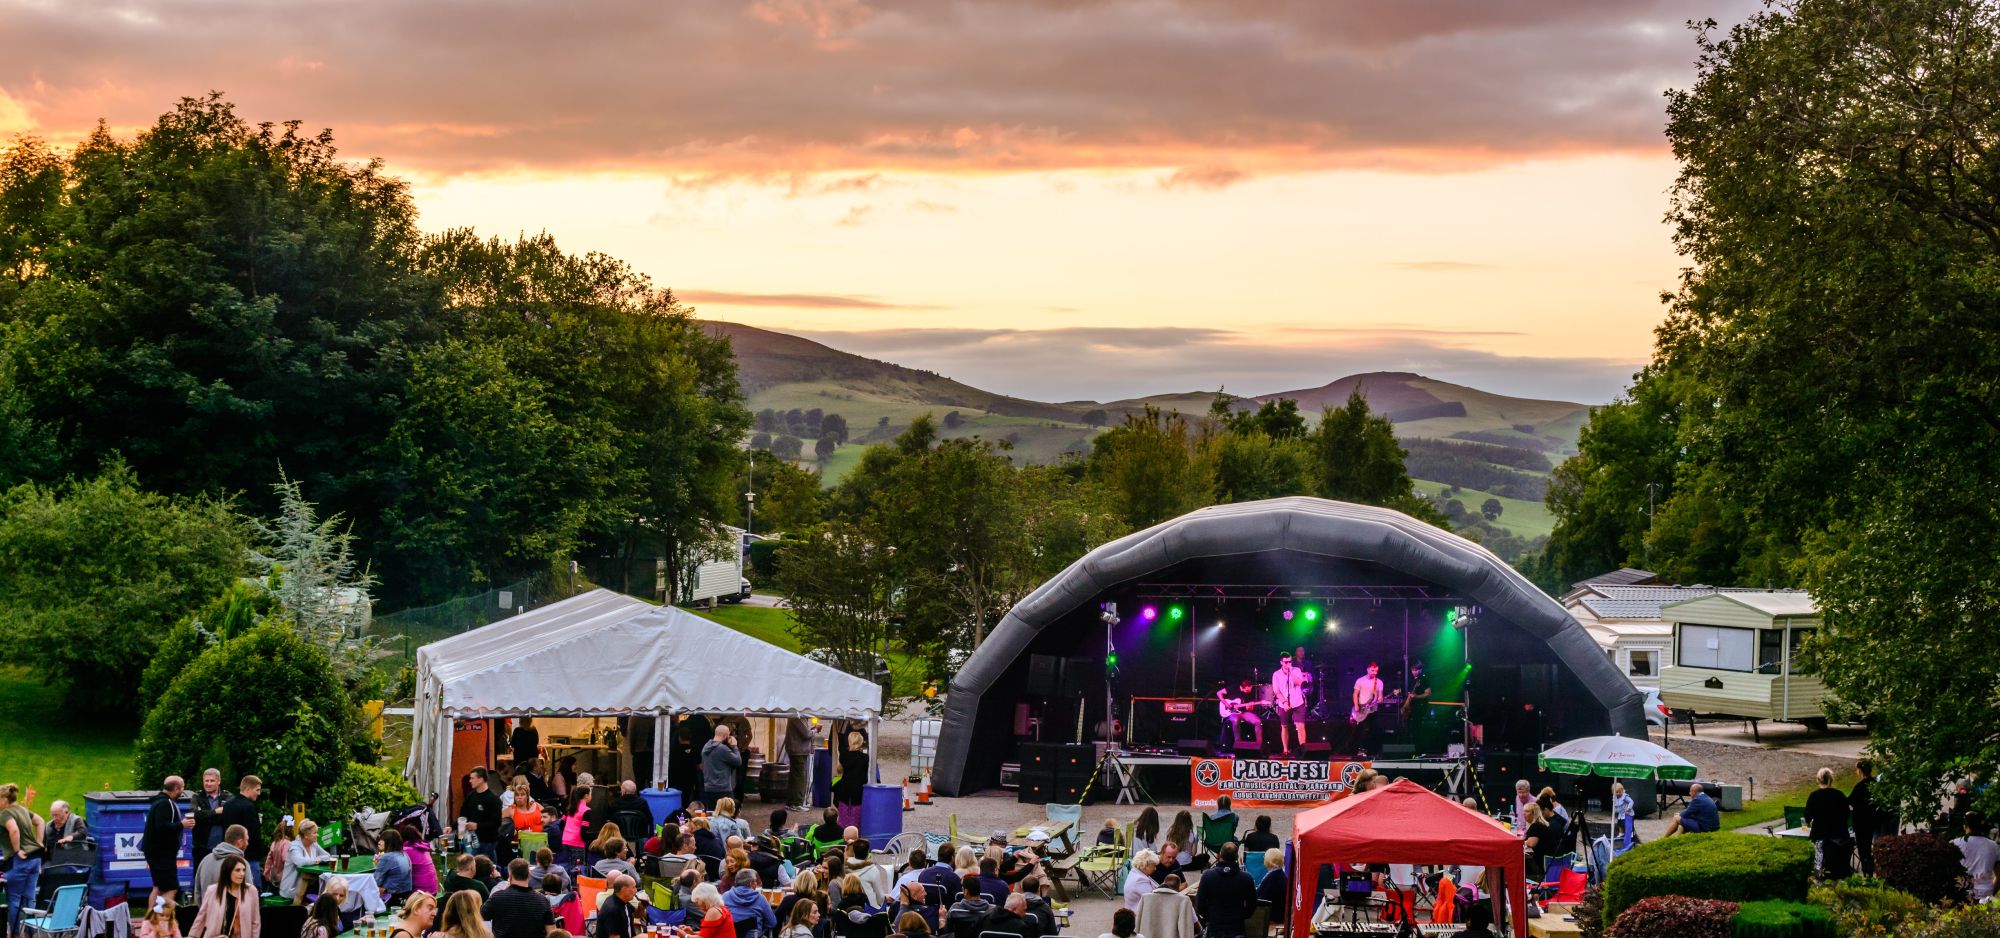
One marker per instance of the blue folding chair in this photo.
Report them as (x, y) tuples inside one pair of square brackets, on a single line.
[(1253, 864), (1627, 838), (64, 917)]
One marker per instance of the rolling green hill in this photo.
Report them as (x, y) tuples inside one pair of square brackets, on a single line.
[(879, 399)]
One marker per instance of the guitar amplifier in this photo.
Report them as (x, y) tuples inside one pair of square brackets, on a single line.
[(1161, 721)]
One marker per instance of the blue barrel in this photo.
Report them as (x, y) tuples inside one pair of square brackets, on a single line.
[(665, 804), (881, 814), (117, 819), (822, 776)]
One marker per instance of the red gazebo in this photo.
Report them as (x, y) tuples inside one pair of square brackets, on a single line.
[(1403, 823)]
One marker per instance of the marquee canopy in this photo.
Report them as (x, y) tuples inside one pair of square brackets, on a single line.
[(605, 654), (1402, 823)]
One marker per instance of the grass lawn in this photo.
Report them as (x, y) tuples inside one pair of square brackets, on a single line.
[(775, 626), (58, 754), (1771, 807)]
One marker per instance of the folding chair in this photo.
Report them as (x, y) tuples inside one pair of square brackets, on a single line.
[(1218, 831), (1099, 868), (1628, 837), (672, 866), (1551, 877), (63, 917), (1253, 864), (588, 888), (1600, 859), (1570, 887)]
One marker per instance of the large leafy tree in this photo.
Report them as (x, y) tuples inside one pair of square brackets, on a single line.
[(622, 365), (481, 478), (788, 498), (840, 582), (96, 570), (1151, 468), (1830, 353), (208, 298)]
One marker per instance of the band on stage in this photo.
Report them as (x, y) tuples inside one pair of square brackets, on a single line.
[(1270, 717)]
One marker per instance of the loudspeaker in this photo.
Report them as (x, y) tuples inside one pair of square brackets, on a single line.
[(1035, 790), (1075, 678), (1048, 761), (1045, 675), (1067, 791)]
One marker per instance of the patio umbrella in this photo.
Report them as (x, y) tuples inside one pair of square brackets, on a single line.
[(1615, 757)]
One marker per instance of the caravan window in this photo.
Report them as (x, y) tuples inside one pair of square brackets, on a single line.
[(1718, 647)]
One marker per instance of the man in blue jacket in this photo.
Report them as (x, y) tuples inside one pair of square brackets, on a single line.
[(748, 908), (1699, 817)]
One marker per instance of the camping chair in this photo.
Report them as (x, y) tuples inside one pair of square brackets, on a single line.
[(1551, 877), (1253, 864), (63, 917), (819, 846), (1628, 836), (1218, 831), (1258, 925), (1571, 885), (1101, 867), (1600, 857), (672, 866), (588, 888)]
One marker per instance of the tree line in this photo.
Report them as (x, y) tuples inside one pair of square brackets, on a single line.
[(928, 542), (1822, 407), (211, 303)]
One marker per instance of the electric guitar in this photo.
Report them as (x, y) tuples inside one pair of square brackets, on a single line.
[(1358, 714), (1412, 700)]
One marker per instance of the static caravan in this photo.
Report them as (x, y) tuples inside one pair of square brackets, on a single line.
[(1735, 654)]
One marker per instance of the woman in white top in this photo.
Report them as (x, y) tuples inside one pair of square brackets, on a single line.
[(1140, 881), (304, 851), (1124, 924)]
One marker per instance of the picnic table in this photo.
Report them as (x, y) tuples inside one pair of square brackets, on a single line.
[(1053, 834), (1551, 924)]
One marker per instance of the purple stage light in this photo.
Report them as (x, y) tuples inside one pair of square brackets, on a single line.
[(1288, 615), (1149, 613)]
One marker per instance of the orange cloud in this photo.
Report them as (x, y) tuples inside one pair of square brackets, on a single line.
[(1212, 91)]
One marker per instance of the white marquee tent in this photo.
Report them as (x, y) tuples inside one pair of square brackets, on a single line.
[(605, 654)]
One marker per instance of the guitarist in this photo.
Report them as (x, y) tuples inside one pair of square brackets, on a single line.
[(1417, 699), (1367, 698), (1239, 710)]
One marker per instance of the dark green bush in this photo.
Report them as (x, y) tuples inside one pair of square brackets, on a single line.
[(265, 703), (1924, 865), (1675, 917), (1589, 912), (361, 786), (1773, 919), (1738, 867), (1863, 906)]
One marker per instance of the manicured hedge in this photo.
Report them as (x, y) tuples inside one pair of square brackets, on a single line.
[(1738, 867), (1782, 920)]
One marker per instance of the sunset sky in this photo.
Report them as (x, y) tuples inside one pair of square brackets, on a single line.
[(1058, 199)]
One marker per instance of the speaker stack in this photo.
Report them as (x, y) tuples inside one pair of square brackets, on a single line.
[(1055, 773)]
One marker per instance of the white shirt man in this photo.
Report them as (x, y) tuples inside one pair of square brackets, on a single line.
[(1288, 691)]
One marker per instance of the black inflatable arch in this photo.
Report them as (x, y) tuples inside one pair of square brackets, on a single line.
[(1309, 526)]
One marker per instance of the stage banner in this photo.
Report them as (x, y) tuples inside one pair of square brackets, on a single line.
[(1270, 783)]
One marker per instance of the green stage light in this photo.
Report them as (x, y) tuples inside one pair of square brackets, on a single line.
[(1312, 614), (1175, 613), (1111, 659), (1451, 617)]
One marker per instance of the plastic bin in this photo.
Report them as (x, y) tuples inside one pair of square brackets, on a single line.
[(665, 804), (881, 814), (117, 819)]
